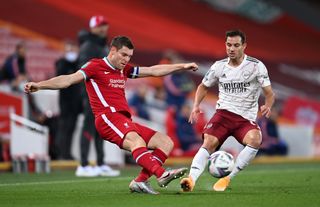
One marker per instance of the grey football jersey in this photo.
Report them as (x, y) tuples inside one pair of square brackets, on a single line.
[(239, 87)]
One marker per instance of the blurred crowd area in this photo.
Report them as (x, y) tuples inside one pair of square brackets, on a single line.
[(165, 103)]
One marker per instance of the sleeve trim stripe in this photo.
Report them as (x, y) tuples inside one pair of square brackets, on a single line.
[(84, 74)]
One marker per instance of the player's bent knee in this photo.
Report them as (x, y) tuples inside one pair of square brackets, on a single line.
[(162, 142), (169, 144), (253, 141), (166, 145), (210, 143), (133, 141)]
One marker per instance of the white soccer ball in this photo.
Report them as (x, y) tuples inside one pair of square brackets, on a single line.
[(220, 164)]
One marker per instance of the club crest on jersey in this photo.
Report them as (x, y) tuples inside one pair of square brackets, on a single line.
[(126, 125), (246, 74)]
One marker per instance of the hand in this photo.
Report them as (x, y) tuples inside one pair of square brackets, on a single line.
[(194, 114), (31, 87), (265, 111), (191, 66)]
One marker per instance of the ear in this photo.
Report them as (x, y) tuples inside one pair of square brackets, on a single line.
[(113, 49), (244, 45)]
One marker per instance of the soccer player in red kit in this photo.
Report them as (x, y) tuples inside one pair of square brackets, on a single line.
[(105, 82)]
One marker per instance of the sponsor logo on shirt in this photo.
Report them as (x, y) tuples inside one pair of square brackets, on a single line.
[(235, 87), (117, 83)]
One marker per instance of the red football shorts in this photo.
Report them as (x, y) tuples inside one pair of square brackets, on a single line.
[(225, 123), (113, 127)]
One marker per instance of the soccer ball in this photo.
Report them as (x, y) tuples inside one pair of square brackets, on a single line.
[(220, 164)]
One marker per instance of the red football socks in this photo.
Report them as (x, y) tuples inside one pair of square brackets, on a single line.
[(146, 160), (160, 156)]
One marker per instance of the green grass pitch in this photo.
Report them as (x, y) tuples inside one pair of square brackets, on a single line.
[(287, 185)]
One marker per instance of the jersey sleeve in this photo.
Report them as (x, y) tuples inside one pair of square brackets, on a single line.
[(87, 70), (210, 78), (263, 77), (131, 71)]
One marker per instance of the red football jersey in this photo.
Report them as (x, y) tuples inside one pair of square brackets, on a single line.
[(105, 85)]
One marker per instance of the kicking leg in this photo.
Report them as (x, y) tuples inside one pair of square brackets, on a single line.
[(252, 140), (199, 162), (162, 146)]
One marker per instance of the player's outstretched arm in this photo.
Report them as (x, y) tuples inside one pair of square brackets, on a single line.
[(162, 70), (201, 92), (62, 81), (269, 100)]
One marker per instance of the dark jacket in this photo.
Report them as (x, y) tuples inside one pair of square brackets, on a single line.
[(91, 46), (12, 67), (69, 98)]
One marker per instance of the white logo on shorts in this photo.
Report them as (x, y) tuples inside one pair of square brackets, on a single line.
[(208, 126)]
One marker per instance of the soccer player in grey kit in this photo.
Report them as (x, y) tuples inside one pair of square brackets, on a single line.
[(240, 79)]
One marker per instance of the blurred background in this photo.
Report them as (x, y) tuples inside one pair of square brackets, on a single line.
[(35, 34)]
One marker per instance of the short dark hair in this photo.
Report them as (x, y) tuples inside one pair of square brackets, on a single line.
[(236, 32), (120, 41)]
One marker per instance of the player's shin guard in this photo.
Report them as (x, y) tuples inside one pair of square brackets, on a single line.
[(199, 163), (144, 174), (244, 158), (146, 160)]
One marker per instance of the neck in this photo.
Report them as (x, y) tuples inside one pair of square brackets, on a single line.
[(108, 59), (236, 62)]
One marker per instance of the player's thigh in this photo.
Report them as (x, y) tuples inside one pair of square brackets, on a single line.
[(248, 133), (114, 128), (161, 141), (210, 143), (132, 141), (216, 131)]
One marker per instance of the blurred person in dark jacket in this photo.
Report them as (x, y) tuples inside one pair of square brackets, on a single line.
[(13, 70), (177, 85), (186, 133), (93, 44), (138, 102), (69, 101), (271, 144)]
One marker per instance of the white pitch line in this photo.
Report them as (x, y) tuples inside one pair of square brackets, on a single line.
[(64, 181)]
